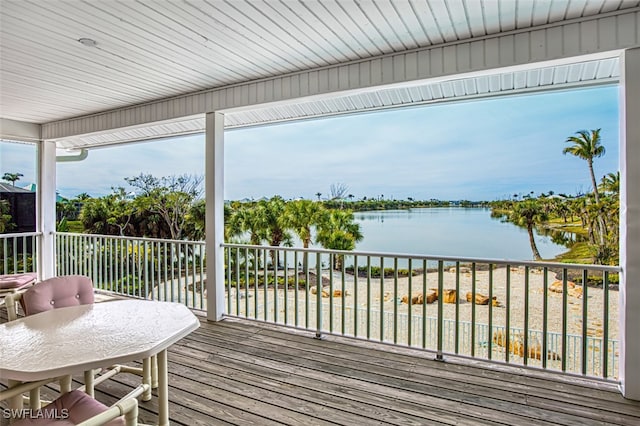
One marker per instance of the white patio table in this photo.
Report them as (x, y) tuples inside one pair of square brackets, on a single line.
[(75, 339)]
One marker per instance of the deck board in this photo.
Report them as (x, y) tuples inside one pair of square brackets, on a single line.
[(238, 372)]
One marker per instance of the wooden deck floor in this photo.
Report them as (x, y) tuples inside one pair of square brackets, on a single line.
[(239, 372)]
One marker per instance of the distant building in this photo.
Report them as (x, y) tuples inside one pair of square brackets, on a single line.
[(22, 207)]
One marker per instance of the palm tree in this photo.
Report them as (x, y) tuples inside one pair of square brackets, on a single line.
[(83, 196), (318, 194), (528, 213), (5, 216), (337, 230), (587, 147), (610, 183), (271, 213), (300, 216), (12, 177), (248, 219)]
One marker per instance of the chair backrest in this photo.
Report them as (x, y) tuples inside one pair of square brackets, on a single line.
[(57, 292)]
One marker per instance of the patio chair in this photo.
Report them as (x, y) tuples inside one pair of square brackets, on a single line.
[(13, 283), (78, 408), (72, 290)]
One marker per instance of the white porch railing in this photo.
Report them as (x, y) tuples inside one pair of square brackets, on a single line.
[(534, 313), (167, 270), (18, 253)]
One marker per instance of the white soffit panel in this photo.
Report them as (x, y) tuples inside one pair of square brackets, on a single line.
[(602, 71)]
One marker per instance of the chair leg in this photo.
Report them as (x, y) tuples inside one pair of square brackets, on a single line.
[(131, 416), (15, 402)]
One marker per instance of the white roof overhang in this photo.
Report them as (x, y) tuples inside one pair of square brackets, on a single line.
[(157, 67), (595, 70)]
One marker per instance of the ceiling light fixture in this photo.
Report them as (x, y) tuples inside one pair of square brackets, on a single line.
[(87, 42)]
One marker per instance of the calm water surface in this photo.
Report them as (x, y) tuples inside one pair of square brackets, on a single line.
[(461, 232)]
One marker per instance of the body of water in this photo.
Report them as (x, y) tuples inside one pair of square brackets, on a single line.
[(455, 231)]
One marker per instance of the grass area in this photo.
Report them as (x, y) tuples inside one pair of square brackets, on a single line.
[(75, 226), (578, 253), (574, 226)]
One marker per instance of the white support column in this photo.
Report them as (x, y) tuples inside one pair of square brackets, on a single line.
[(46, 208), (630, 222), (214, 195)]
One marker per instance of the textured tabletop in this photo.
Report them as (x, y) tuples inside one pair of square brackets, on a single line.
[(74, 339)]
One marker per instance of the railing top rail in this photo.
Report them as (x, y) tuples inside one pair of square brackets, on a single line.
[(118, 237), (21, 234), (510, 262)]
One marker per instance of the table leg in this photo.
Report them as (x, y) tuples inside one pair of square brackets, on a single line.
[(163, 390), (88, 382), (34, 399), (65, 384), (146, 378)]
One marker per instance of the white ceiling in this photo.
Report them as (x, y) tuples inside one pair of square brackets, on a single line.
[(152, 49)]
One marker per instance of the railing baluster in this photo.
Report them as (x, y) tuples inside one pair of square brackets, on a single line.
[(585, 321), (275, 285), (145, 247), (368, 297), (306, 288), (355, 295), (395, 299), (296, 282), (564, 319), (343, 305), (439, 355), (265, 273), (382, 299), (424, 303), (246, 282), (545, 316), (229, 276), (409, 301), (507, 316), (256, 283), (331, 301), (318, 296), (473, 309), (457, 330), (286, 287), (526, 315), (605, 325), (237, 286), (490, 319)]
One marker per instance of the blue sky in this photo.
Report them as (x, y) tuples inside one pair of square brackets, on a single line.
[(477, 150)]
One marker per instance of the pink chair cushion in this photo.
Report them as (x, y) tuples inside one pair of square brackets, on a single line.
[(57, 292), (15, 281), (69, 409)]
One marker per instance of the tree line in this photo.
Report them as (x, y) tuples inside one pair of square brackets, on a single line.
[(597, 213), (171, 208)]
